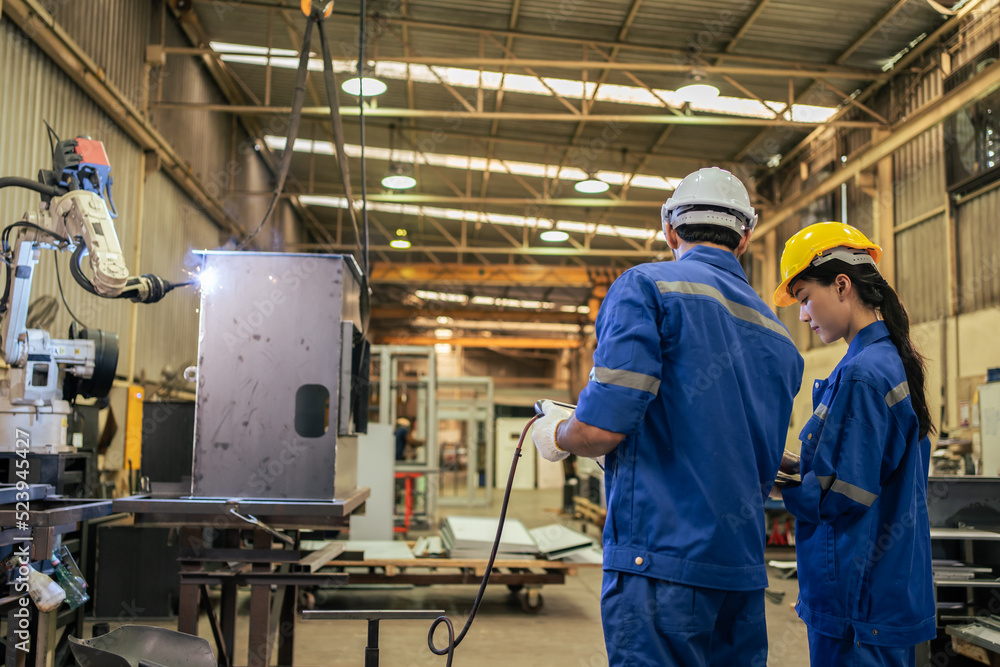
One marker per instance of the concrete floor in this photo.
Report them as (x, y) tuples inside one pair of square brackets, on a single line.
[(567, 630)]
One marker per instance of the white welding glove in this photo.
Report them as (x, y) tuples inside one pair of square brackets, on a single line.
[(543, 431)]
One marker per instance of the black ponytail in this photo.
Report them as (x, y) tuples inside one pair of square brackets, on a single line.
[(875, 292)]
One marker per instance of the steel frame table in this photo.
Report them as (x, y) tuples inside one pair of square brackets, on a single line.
[(272, 618), (47, 518)]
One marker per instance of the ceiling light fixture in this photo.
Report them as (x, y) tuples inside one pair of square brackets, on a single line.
[(400, 242), (554, 236), (400, 176), (591, 185), (696, 90), (366, 85)]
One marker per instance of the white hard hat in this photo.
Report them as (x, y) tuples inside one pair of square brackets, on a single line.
[(710, 196)]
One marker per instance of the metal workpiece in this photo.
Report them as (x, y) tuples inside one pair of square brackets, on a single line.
[(964, 501), (131, 644), (216, 511), (274, 409), (10, 494), (371, 615), (57, 512)]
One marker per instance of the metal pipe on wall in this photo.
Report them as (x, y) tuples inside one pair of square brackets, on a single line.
[(133, 322)]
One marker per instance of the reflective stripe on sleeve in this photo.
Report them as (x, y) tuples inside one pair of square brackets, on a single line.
[(825, 481), (855, 493), (898, 393), (822, 411), (627, 379), (737, 310)]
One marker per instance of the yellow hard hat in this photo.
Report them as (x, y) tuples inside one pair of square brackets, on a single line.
[(809, 244)]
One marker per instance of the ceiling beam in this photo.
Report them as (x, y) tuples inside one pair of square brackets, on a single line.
[(438, 27), (875, 27), (513, 342), (386, 313), (449, 114), (576, 202), (233, 88), (559, 251), (527, 63), (700, 161), (515, 275), (754, 15), (629, 18), (951, 24), (907, 130), (808, 92)]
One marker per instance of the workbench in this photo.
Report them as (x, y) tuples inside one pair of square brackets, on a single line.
[(212, 553), (48, 518), (519, 575)]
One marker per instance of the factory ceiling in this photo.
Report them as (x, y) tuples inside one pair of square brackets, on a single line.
[(499, 107)]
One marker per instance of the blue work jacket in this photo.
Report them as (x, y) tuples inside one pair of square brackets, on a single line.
[(700, 375), (862, 535)]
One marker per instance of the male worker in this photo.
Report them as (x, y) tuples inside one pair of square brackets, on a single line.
[(689, 398)]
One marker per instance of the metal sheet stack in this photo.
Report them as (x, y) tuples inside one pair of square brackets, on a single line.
[(556, 541), (472, 537)]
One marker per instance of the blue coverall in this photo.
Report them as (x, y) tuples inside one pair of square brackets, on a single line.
[(862, 535), (700, 375)]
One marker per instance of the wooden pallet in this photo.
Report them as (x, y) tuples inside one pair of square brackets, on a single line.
[(524, 576), (594, 514), (394, 567)]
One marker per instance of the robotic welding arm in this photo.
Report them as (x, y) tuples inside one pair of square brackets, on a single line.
[(84, 213), (73, 216)]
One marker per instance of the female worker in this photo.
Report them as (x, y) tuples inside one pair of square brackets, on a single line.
[(862, 532)]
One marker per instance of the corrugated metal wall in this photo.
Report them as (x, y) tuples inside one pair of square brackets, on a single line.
[(978, 229), (173, 228), (220, 152), (922, 280), (113, 33), (977, 34), (860, 209), (919, 188), (918, 167), (34, 89)]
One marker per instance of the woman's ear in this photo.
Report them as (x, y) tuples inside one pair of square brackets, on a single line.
[(843, 284)]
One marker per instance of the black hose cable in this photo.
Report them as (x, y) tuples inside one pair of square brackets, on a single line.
[(453, 642), (365, 301), (337, 127), (5, 236), (53, 137), (62, 295), (27, 183), (77, 271), (6, 289), (362, 33), (6, 254), (298, 100)]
